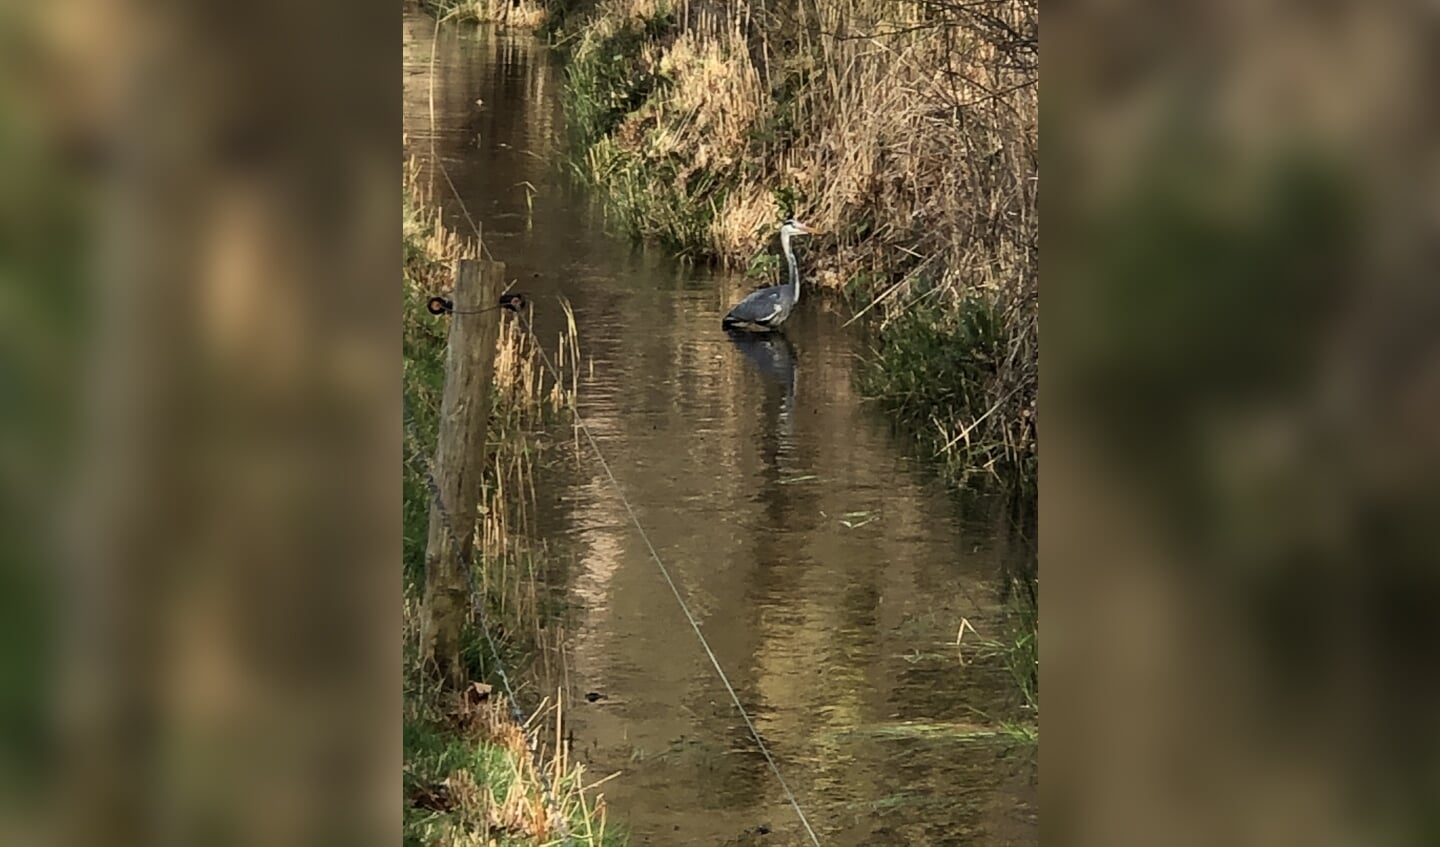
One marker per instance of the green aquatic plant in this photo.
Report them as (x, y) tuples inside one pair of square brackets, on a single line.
[(952, 378)]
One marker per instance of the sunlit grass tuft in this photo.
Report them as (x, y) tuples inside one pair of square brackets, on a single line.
[(469, 777)]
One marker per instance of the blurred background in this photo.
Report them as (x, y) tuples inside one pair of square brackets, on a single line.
[(198, 423), (200, 391), (1242, 381)]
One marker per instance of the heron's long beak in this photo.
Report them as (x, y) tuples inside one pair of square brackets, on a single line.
[(809, 230)]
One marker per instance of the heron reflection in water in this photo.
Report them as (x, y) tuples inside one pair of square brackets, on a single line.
[(774, 357), (772, 354)]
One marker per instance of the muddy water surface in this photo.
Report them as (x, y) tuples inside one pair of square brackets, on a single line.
[(829, 571)]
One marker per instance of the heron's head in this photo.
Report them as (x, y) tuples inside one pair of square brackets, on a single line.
[(794, 227)]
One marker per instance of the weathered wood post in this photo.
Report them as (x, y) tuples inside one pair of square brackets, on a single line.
[(460, 462)]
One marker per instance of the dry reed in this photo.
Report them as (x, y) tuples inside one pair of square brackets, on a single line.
[(525, 395), (480, 782), (907, 129), (469, 773)]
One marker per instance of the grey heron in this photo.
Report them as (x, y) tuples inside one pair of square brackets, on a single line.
[(765, 310)]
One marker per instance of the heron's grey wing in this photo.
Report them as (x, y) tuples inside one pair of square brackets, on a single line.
[(759, 307)]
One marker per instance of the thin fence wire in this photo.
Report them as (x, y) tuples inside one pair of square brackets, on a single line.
[(619, 492), (517, 713), (417, 455), (674, 589), (422, 464)]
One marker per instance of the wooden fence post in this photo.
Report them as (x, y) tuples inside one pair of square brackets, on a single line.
[(460, 462)]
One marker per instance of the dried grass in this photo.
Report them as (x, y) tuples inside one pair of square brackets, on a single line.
[(479, 781), (908, 129), (473, 780), (525, 395)]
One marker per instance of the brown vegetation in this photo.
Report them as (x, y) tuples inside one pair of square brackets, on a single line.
[(908, 129), (469, 774)]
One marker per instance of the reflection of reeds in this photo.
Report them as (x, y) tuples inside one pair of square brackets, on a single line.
[(468, 772), (520, 14), (930, 731)]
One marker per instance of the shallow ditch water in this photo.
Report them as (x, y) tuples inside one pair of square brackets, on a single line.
[(827, 567)]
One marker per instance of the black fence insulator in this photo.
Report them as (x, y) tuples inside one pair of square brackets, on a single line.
[(514, 302)]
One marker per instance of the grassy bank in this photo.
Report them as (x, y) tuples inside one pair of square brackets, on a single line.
[(906, 129), (469, 777)]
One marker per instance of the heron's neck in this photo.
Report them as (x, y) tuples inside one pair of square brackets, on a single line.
[(794, 269)]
